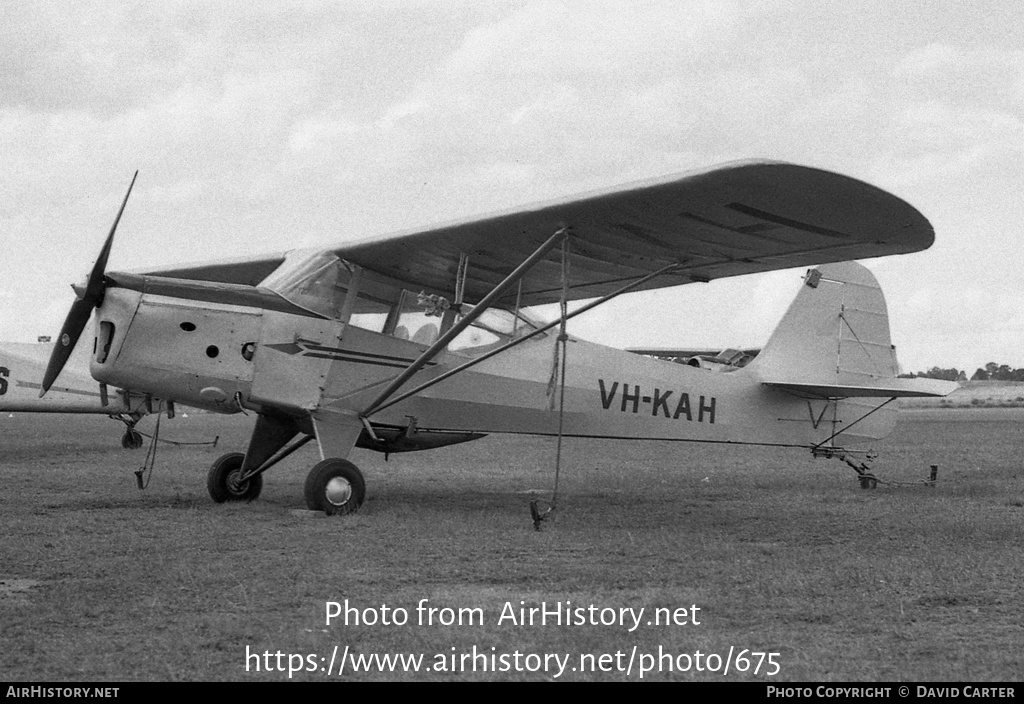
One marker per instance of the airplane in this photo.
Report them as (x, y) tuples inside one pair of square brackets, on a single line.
[(421, 339), (725, 359), (21, 366)]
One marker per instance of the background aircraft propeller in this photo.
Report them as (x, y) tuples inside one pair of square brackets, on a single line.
[(89, 298)]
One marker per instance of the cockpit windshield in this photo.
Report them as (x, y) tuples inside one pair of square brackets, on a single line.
[(317, 281)]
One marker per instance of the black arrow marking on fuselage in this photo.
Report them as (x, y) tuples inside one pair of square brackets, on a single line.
[(311, 349)]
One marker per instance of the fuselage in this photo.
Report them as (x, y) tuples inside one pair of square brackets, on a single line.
[(226, 357)]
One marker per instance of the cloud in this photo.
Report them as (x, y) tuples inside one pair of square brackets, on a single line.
[(259, 127), (928, 60), (991, 77), (552, 41)]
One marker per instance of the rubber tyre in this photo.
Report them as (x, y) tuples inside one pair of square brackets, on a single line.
[(335, 487), (131, 440), (220, 480)]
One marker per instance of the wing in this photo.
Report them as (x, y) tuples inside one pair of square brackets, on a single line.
[(21, 368), (734, 219)]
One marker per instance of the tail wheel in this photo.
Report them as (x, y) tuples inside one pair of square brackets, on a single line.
[(335, 486), (223, 483)]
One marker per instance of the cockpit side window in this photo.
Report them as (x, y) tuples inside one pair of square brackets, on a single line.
[(369, 314), (319, 281), (494, 328), (419, 318)]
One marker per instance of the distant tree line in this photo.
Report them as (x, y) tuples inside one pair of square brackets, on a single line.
[(990, 372)]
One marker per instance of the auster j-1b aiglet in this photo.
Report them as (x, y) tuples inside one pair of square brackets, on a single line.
[(420, 339)]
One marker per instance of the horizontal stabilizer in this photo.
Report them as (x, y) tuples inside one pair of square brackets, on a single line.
[(890, 388)]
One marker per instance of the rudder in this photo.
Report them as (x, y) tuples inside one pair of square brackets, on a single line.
[(833, 348), (835, 333)]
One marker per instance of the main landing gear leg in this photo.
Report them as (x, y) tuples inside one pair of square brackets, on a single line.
[(132, 438), (238, 477), (335, 485)]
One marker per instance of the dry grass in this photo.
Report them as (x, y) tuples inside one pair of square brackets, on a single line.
[(781, 553)]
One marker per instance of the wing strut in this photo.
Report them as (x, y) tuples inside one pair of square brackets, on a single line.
[(558, 369), (476, 360), (461, 273), (454, 331)]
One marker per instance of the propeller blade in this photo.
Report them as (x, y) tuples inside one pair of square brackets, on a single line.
[(95, 287), (81, 309), (78, 316)]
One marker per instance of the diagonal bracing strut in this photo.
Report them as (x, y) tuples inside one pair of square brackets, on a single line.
[(519, 340), (468, 319), (847, 428)]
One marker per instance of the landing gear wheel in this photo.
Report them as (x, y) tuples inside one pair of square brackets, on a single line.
[(222, 480), (868, 482), (335, 486), (131, 440)]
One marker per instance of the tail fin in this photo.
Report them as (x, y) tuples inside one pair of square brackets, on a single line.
[(834, 341)]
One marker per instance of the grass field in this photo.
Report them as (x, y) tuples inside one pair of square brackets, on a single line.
[(781, 554)]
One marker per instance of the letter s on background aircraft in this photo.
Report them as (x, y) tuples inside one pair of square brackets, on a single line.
[(418, 339)]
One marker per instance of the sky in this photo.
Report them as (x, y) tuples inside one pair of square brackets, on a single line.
[(262, 126)]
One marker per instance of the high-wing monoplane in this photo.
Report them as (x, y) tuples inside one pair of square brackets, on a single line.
[(22, 365), (422, 339)]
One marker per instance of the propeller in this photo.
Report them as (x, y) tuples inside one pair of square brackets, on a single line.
[(89, 297)]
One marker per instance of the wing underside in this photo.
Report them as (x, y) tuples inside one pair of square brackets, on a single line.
[(735, 219)]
